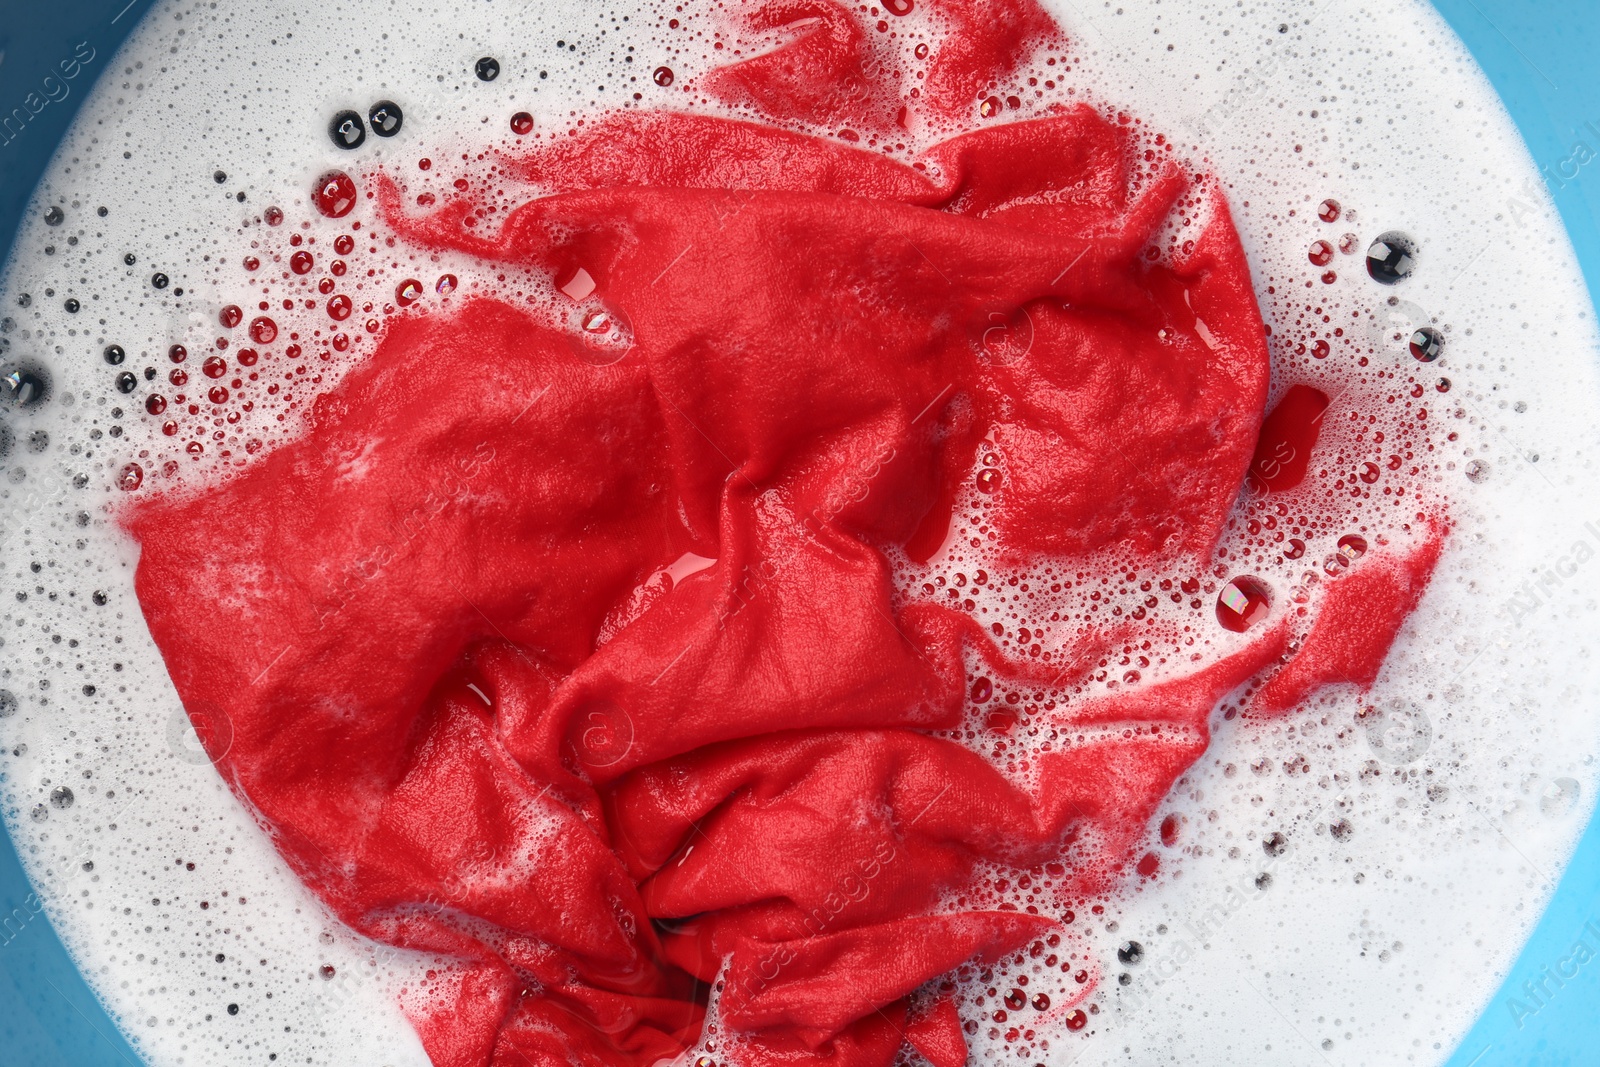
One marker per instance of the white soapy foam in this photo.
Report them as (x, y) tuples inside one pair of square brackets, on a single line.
[(1341, 886)]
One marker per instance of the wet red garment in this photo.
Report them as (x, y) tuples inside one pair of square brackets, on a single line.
[(1357, 622), (436, 644)]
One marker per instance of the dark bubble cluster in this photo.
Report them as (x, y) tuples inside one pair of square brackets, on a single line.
[(349, 132)]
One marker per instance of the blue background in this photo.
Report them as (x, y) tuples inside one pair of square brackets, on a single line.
[(1541, 56)]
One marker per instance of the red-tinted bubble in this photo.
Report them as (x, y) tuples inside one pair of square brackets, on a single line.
[(231, 316), (521, 123), (130, 478), (341, 341), (1427, 344), (1077, 1020), (1321, 253), (899, 7), (408, 292), (344, 244), (251, 263), (218, 394), (170, 428), (178, 377), (1242, 603), (1002, 719), (335, 194), (337, 268), (424, 164), (1352, 547), (446, 284), (263, 331), (1296, 548), (177, 353), (301, 262), (339, 308), (1329, 211), (1169, 831), (325, 286), (982, 690), (273, 216), (246, 357), (1149, 865), (991, 107), (988, 480), (215, 367), (922, 51), (155, 403), (663, 76), (1321, 349)]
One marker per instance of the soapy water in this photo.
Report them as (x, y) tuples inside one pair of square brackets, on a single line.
[(1350, 880)]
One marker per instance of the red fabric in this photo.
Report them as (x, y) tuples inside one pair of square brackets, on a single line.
[(936, 1034), (832, 69), (1357, 622), (481, 720), (1288, 435)]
